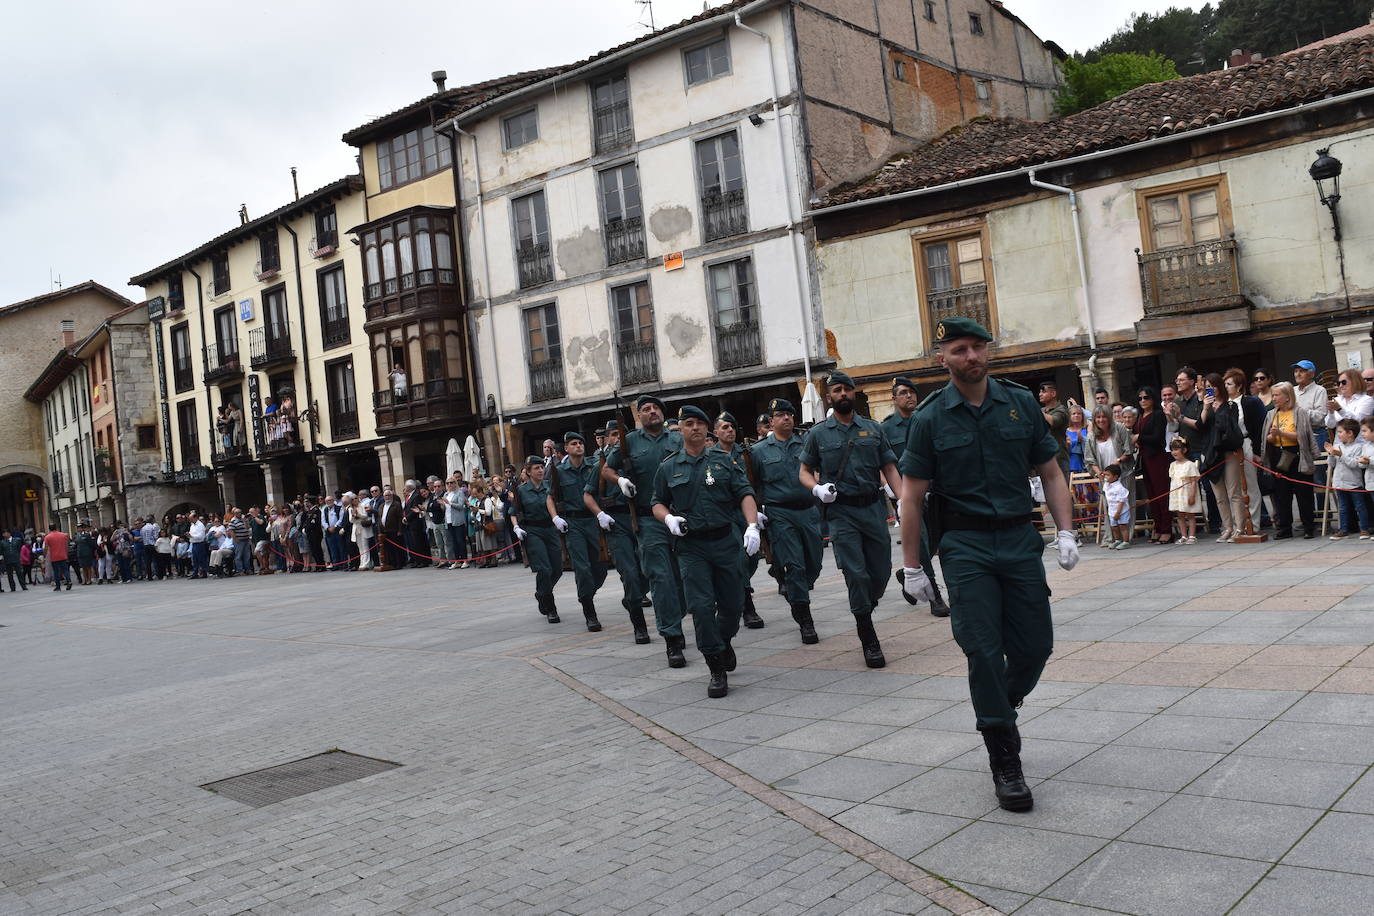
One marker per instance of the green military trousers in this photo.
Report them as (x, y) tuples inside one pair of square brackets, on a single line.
[(624, 548), (794, 536), (863, 551), (584, 548), (546, 558), (713, 586), (658, 559), (1000, 615)]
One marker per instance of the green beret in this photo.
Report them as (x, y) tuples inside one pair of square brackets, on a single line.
[(648, 399), (688, 412), (839, 378), (902, 381), (599, 431), (776, 405), (763, 420), (728, 417), (958, 326), (573, 436), (534, 459), (611, 426)]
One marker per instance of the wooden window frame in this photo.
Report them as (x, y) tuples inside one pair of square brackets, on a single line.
[(710, 77), (975, 24), (949, 234), (612, 144), (386, 176), (219, 270), (928, 11), (1143, 196), (506, 145)]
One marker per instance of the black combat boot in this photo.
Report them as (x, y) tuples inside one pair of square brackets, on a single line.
[(719, 685), (873, 650), (551, 610), (637, 621), (543, 602), (751, 618), (589, 612), (675, 646), (1004, 757), (801, 613), (938, 607), (727, 657)]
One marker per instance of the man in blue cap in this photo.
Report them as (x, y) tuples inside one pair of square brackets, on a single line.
[(696, 494), (614, 516), (845, 461), (631, 467), (793, 519), (533, 525), (571, 517), (727, 440), (896, 427), (969, 448)]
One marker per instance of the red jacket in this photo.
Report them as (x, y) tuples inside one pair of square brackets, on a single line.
[(55, 544)]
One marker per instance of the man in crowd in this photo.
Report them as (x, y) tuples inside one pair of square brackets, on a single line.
[(990, 549), (148, 535), (198, 534), (1188, 412), (390, 515), (726, 432), (631, 466), (1057, 416), (11, 546), (56, 547), (845, 461), (575, 521), (697, 492), (895, 428), (615, 517), (533, 526), (416, 542), (243, 540), (335, 520)]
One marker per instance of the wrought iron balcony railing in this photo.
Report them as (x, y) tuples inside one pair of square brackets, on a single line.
[(1193, 278), (638, 362), (222, 361), (614, 129), (344, 425), (336, 331), (738, 345), (723, 214), (534, 264), (546, 380), (270, 345), (624, 240)]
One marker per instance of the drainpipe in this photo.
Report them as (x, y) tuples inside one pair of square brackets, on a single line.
[(1082, 269), (486, 274), (204, 361), (460, 242), (305, 350), (797, 265)]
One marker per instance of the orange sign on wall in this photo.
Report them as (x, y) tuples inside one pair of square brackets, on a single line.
[(672, 261)]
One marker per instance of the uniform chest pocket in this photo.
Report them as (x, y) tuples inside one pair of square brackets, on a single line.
[(1013, 430), (953, 441)]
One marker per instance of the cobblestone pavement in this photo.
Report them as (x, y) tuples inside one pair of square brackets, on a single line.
[(1201, 744)]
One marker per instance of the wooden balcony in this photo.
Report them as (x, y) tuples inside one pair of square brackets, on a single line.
[(435, 402), (962, 301), (1194, 278)]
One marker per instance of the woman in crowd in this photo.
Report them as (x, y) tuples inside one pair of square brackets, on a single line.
[(1289, 452), (1223, 456), (1108, 443), (1077, 434), (104, 557), (360, 517), (85, 554), (1154, 462), (1252, 412), (484, 505), (1263, 381)]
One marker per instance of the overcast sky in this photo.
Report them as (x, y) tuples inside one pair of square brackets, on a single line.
[(135, 129)]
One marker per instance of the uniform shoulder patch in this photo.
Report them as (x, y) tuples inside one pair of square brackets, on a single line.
[(930, 399)]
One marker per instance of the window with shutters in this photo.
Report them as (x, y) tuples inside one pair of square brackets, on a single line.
[(955, 274)]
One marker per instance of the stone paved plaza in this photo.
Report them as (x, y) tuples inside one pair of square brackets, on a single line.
[(1201, 744)]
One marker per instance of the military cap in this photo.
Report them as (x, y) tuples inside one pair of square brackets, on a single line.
[(612, 426), (839, 378), (728, 417), (672, 423), (599, 431), (776, 405), (648, 399), (902, 381), (958, 326), (573, 435), (688, 412), (534, 459), (763, 420)]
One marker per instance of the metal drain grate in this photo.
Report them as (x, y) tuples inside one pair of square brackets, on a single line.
[(299, 777)]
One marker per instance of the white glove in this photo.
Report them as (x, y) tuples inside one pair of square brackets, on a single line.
[(763, 519), (627, 487), (751, 540), (1068, 550), (916, 583), (519, 532), (825, 492), (605, 521), (675, 523), (888, 490), (561, 524), (899, 510)]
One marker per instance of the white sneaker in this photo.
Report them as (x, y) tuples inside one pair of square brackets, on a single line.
[(1122, 545)]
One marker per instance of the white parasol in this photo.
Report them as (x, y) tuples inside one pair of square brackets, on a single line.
[(811, 403), (453, 458), (472, 459)]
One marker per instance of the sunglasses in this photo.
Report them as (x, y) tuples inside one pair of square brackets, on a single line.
[(1261, 378), (1343, 382), (1368, 378)]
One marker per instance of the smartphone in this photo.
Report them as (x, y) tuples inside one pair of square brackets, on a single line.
[(1211, 392)]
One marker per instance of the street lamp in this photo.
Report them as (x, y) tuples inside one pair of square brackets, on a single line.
[(1326, 172)]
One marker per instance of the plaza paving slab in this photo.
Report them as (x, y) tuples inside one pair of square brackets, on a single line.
[(1201, 743)]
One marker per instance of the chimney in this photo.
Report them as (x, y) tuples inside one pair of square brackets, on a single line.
[(68, 333), (440, 78), (1238, 58), (1256, 57)]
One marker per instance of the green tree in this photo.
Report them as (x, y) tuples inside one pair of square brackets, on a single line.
[(1275, 26), (1089, 83), (1180, 34)]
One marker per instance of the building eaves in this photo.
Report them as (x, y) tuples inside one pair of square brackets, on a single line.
[(459, 97), (1174, 107), (63, 364), (252, 227), (1051, 46), (88, 286)]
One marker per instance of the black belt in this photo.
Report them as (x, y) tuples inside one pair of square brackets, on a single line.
[(844, 499), (537, 525), (642, 511), (799, 506), (955, 521), (616, 510), (578, 513), (709, 534)]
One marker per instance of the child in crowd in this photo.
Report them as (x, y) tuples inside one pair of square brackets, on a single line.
[(1118, 508), (1347, 476), (1184, 493)]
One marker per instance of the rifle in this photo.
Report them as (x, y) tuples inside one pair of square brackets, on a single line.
[(754, 482), (622, 415)]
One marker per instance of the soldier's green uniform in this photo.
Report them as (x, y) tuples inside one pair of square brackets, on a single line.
[(706, 490), (569, 482), (794, 521), (858, 516), (976, 459), (749, 564), (638, 458), (622, 544), (541, 541), (897, 427)]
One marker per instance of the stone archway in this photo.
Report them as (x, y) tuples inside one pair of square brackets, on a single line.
[(23, 497)]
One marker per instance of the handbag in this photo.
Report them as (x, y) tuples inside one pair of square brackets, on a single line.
[(490, 527), (1286, 462)]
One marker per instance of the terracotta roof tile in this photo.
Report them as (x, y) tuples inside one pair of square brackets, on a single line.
[(987, 146)]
